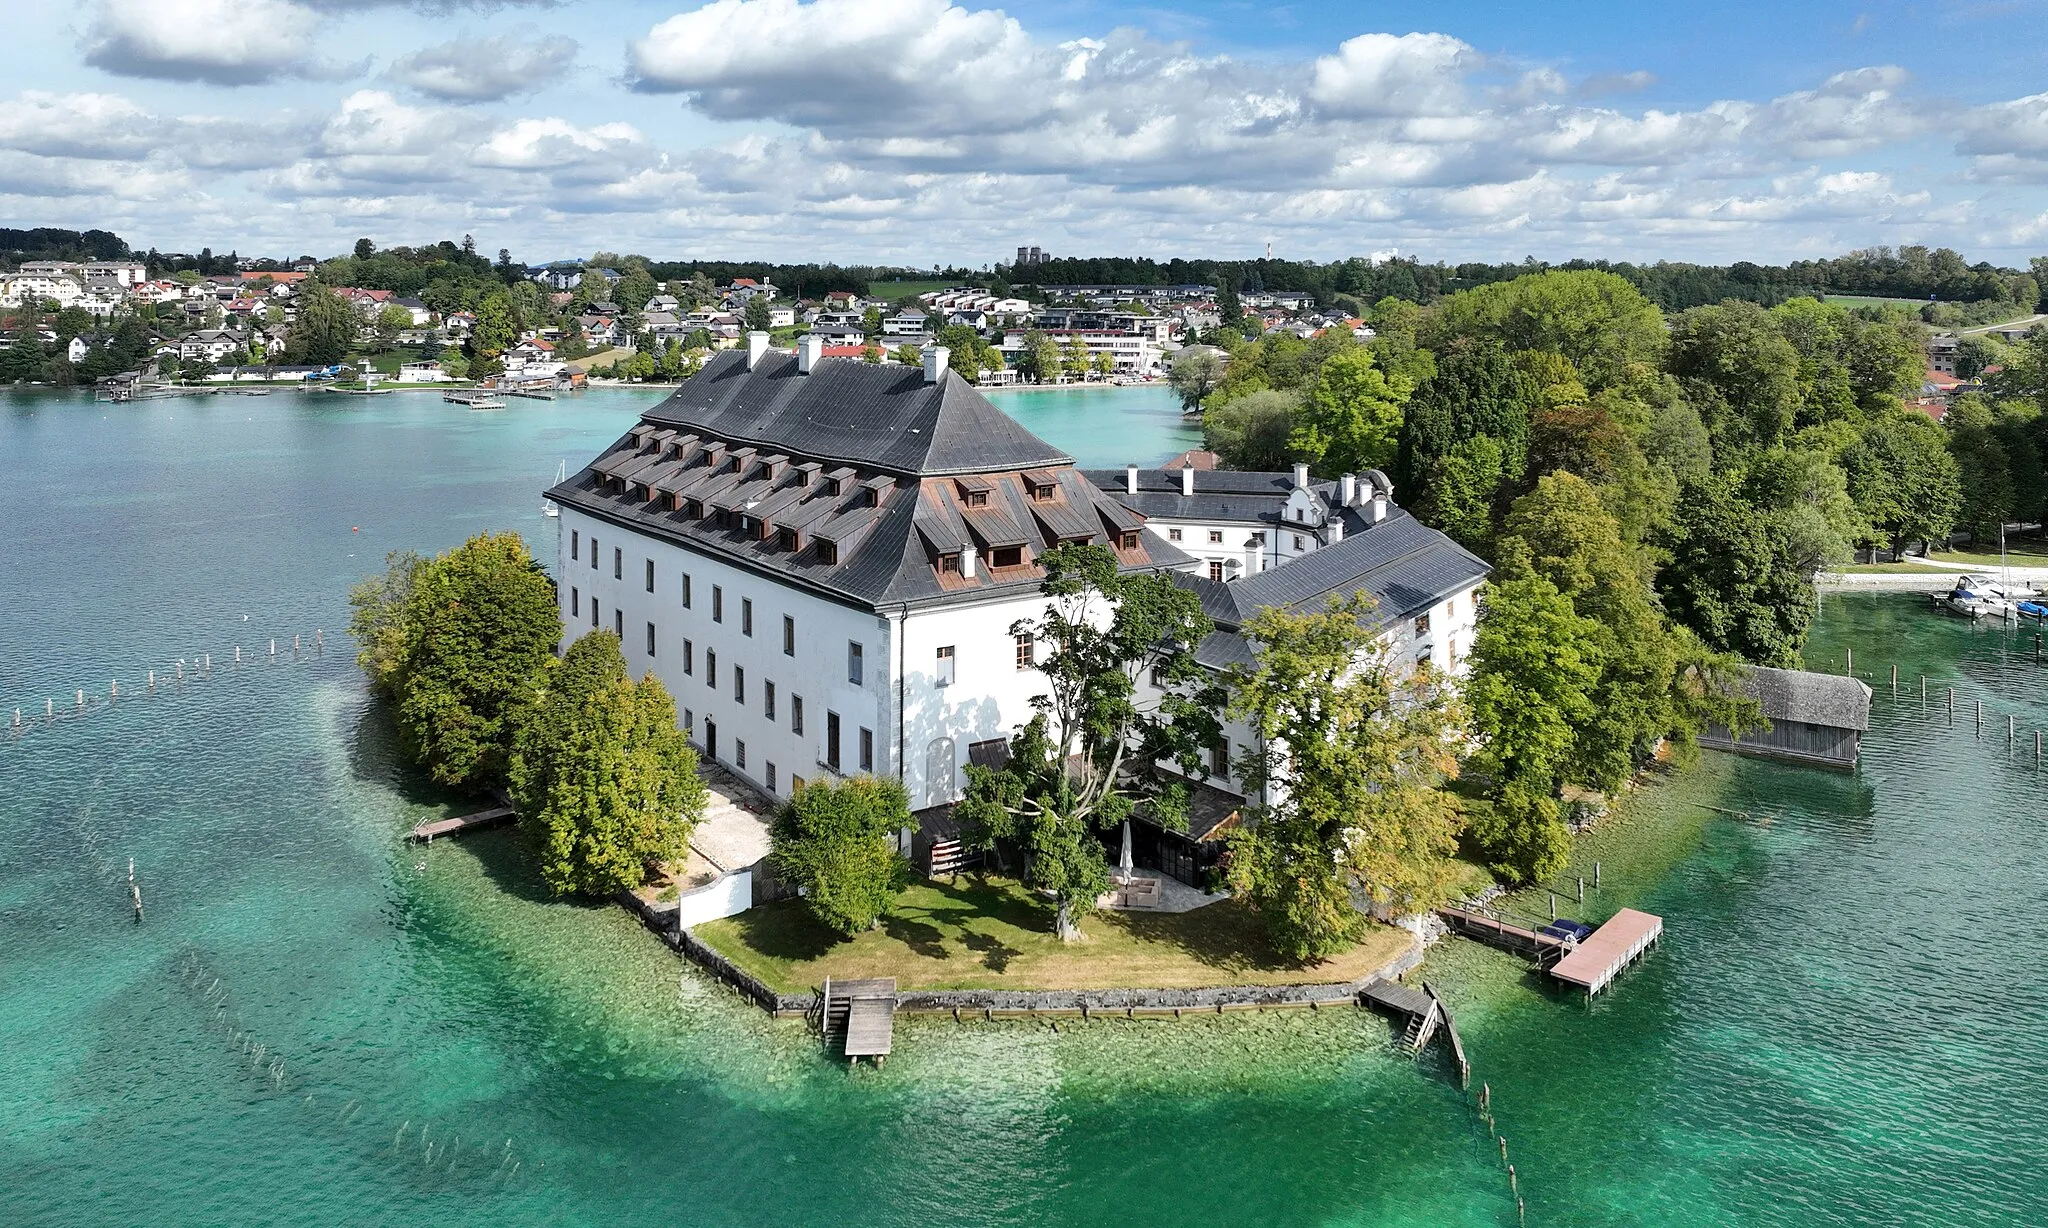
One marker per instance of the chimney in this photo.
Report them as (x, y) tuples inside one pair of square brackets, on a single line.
[(1187, 482), (1334, 530), (935, 358), (1130, 479), (757, 346), (1251, 556), (1377, 508), (967, 560), (1348, 485), (808, 351), (1301, 475)]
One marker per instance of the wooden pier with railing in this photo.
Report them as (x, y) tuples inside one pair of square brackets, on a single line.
[(1593, 964)]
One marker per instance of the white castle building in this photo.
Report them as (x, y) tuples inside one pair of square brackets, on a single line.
[(822, 560)]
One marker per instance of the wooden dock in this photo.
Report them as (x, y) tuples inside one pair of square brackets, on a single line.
[(861, 1016), (534, 394), (1419, 1013), (1498, 933), (493, 817), (1594, 963), (473, 400), (1451, 1030)]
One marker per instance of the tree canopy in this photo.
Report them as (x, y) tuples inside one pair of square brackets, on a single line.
[(834, 840)]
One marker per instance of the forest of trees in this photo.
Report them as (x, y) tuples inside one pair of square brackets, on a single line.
[(1906, 272), (1655, 491)]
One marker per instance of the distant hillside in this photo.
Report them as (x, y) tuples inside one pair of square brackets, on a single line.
[(50, 243)]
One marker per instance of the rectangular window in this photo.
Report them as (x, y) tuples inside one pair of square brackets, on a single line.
[(619, 624), (1297, 541), (1025, 646), (593, 611), (1215, 537), (945, 666), (739, 753), (1422, 624), (650, 575), (832, 740), (796, 714), (618, 563), (795, 782), (689, 720), (575, 542), (686, 590), (788, 636), (1219, 758), (717, 603), (739, 684), (1173, 535), (575, 603), (746, 616), (650, 639), (771, 777), (689, 657), (711, 667), (593, 552), (1006, 556), (1215, 571), (867, 750), (855, 667), (1128, 540), (768, 699)]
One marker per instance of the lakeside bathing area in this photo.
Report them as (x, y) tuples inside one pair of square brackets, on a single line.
[(1771, 1046)]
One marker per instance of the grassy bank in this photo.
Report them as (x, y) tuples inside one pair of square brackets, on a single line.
[(996, 935)]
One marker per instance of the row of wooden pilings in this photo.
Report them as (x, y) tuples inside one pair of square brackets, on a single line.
[(173, 678), (2012, 733)]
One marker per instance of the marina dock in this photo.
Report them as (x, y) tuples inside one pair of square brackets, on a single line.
[(493, 817), (1596, 961), (861, 1015)]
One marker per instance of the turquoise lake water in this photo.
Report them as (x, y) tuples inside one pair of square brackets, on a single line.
[(1846, 1024)]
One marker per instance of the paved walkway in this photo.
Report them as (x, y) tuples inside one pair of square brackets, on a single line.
[(734, 832)]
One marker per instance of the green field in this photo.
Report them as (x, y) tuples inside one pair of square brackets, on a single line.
[(890, 291)]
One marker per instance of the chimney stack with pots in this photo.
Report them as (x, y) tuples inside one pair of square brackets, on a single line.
[(757, 349), (935, 359), (808, 351)]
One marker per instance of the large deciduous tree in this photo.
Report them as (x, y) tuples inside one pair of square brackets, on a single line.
[(602, 776), (1087, 759), (325, 328), (1733, 577), (1194, 374), (1604, 325), (834, 841), (1350, 420), (1740, 371), (1355, 746), (480, 624)]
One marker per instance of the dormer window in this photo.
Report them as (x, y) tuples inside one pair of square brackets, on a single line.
[(832, 486), (977, 498), (785, 539), (949, 564), (828, 553), (1041, 492), (1128, 540), (1006, 556), (693, 508), (871, 497)]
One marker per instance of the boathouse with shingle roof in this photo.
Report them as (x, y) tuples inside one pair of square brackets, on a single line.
[(1814, 718)]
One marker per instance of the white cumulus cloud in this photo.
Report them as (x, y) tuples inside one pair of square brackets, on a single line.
[(487, 69), (223, 42)]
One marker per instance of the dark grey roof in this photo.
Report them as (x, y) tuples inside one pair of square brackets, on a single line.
[(1220, 494), (882, 416), (1817, 699), (1404, 564)]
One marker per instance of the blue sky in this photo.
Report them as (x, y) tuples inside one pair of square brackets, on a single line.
[(922, 131)]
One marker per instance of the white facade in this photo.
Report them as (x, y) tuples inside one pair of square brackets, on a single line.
[(39, 288)]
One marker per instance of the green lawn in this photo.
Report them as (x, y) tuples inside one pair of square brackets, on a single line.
[(1883, 569), (890, 291), (997, 935), (2017, 553)]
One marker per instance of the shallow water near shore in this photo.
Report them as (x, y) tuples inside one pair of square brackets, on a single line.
[(317, 1022)]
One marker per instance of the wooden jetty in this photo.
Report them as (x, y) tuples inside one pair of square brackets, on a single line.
[(1498, 933), (535, 394), (1594, 963), (861, 1016), (473, 400), (1451, 1031), (493, 817), (1419, 1012)]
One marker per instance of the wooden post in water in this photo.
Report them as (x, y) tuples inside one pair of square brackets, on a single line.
[(114, 689), (295, 648), (1895, 678), (81, 699), (1582, 888), (319, 645), (2011, 730), (1951, 705), (50, 709), (1923, 688), (1980, 718), (273, 651), (152, 682), (1849, 661), (1596, 874), (134, 892)]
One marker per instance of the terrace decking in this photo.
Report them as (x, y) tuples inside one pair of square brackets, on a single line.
[(1596, 961)]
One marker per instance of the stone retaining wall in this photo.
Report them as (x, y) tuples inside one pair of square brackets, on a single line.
[(990, 1003)]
